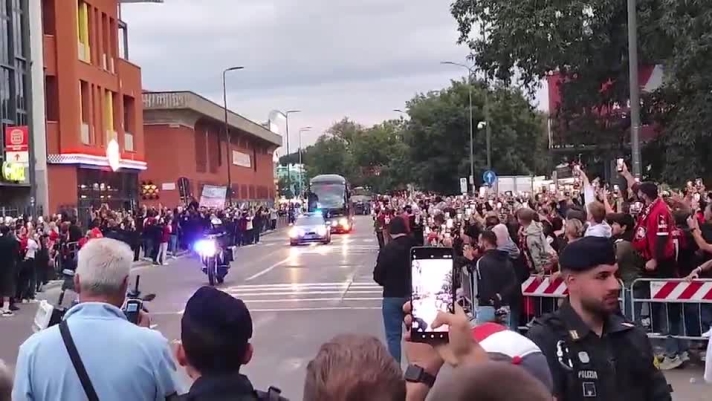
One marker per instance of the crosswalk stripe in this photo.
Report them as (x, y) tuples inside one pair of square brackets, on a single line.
[(297, 285), (316, 292), (289, 300)]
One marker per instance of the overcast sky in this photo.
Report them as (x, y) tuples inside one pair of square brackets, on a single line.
[(329, 58)]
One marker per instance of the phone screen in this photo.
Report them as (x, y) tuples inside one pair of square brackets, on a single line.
[(431, 291), (131, 307)]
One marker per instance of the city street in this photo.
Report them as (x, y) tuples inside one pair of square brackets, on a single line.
[(299, 297)]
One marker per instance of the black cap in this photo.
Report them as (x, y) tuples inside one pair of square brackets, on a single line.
[(213, 311), (587, 253)]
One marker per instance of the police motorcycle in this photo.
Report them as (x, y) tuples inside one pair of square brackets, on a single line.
[(49, 315), (215, 256)]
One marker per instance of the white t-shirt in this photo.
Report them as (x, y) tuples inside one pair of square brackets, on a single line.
[(708, 363), (32, 248)]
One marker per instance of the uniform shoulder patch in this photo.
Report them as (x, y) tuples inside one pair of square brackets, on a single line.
[(626, 324)]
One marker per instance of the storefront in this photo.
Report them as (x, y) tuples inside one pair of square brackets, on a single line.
[(96, 186), (79, 181)]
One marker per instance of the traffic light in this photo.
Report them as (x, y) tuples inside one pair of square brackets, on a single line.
[(149, 191)]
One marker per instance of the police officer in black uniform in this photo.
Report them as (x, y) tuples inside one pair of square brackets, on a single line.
[(593, 352)]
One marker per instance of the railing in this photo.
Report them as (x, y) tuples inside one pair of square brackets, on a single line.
[(672, 308)]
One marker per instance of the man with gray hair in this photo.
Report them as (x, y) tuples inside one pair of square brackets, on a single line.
[(96, 353)]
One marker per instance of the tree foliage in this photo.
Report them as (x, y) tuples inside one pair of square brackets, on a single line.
[(586, 43), (431, 149)]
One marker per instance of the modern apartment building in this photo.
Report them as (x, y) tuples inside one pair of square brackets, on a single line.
[(94, 114), (14, 104)]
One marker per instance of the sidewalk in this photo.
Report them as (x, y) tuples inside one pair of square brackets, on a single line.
[(142, 263)]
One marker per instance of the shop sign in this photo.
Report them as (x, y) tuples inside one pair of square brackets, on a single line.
[(17, 139), (113, 154), (13, 172), (241, 159)]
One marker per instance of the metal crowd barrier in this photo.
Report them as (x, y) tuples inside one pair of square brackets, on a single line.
[(66, 257), (540, 296), (672, 307)]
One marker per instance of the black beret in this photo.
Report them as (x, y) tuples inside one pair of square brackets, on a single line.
[(588, 253), (216, 312)]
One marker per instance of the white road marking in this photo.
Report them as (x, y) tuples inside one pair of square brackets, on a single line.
[(267, 270), (325, 308), (287, 286), (280, 292)]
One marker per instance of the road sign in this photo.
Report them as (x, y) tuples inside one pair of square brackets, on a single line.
[(489, 177), (463, 185), (17, 139), (18, 157)]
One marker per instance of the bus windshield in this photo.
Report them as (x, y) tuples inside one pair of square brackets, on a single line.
[(328, 196)]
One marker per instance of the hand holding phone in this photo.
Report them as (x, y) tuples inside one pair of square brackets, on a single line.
[(432, 291), (132, 310)]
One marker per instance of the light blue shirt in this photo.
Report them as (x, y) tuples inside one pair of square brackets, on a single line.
[(124, 361)]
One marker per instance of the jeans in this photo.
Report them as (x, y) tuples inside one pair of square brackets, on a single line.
[(486, 314), (173, 245), (162, 252), (393, 323)]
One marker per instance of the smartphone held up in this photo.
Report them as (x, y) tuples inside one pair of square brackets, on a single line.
[(432, 291)]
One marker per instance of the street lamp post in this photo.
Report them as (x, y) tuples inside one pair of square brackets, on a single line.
[(301, 166), (634, 88), (286, 128), (301, 130), (227, 133), (470, 72)]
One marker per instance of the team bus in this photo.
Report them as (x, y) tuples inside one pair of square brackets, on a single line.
[(361, 199), (330, 194)]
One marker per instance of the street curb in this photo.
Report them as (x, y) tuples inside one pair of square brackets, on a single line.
[(57, 283)]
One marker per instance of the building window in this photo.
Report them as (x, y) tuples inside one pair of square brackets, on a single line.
[(109, 116), (123, 41), (128, 142), (201, 151), (48, 18), (52, 98), (83, 31), (84, 111)]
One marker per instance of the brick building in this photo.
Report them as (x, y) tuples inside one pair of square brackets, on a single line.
[(92, 96), (185, 138)]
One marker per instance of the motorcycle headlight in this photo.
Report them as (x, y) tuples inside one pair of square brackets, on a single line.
[(206, 247), (321, 230), (343, 222), (334, 223)]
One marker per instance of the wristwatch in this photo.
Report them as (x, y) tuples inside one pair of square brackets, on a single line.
[(416, 374)]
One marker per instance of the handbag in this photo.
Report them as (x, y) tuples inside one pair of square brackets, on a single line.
[(77, 362)]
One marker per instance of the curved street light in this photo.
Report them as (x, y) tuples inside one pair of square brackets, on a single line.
[(286, 128), (227, 132)]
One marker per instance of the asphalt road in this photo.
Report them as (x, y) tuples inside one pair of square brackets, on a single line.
[(299, 298)]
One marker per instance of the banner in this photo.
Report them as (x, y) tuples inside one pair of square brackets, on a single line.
[(213, 197)]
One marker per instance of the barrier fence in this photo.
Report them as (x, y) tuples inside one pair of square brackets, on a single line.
[(664, 307)]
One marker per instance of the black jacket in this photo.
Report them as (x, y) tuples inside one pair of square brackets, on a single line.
[(618, 366), (392, 271), (495, 276), (231, 387)]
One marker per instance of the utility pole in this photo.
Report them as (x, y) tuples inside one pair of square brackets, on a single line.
[(27, 52), (470, 72), (634, 88), (228, 144)]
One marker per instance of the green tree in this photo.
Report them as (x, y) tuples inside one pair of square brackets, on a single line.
[(439, 142), (682, 109), (283, 188), (584, 41)]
